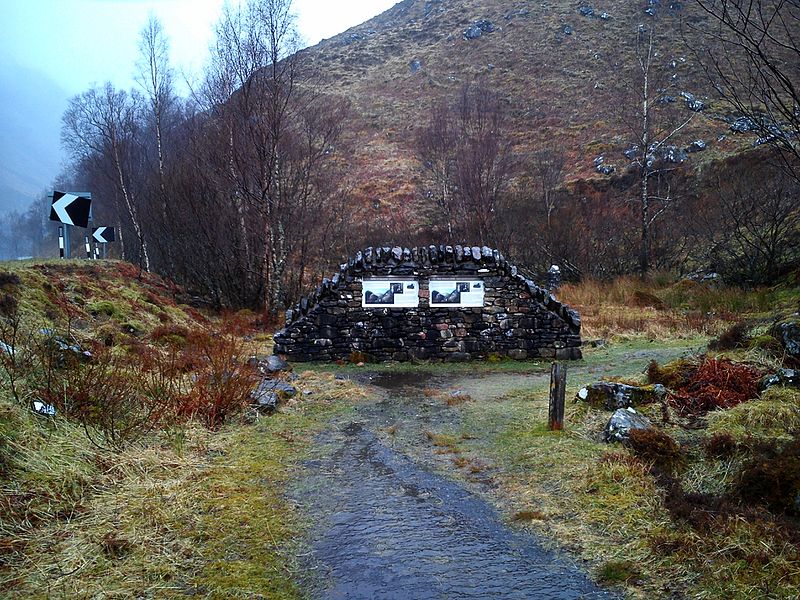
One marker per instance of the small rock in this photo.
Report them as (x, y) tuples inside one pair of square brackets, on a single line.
[(268, 401), (567, 30), (605, 16), (787, 377), (586, 11), (622, 422), (650, 11), (611, 396), (415, 65), (667, 99), (44, 409), (696, 105), (275, 364)]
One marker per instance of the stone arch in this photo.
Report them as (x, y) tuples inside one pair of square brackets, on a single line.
[(518, 319)]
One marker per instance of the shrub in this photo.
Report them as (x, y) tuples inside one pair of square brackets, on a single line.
[(103, 307), (644, 299), (717, 383), (656, 447), (674, 375), (734, 337), (772, 478), (174, 336), (223, 378), (617, 571), (720, 445), (8, 280)]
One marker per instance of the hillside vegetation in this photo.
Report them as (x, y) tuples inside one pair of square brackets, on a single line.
[(125, 465), (146, 470), (562, 90)]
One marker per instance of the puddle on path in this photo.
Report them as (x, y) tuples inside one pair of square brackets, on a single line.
[(386, 527)]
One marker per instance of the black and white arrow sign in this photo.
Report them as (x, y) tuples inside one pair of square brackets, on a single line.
[(103, 235), (70, 209)]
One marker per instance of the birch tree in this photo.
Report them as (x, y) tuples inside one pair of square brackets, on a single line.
[(101, 125)]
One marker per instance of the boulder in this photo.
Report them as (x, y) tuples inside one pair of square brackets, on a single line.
[(284, 390), (472, 32), (269, 392), (586, 11), (601, 167), (611, 396), (632, 152), (789, 336), (673, 154), (786, 377), (743, 125), (478, 28), (696, 146), (415, 65), (622, 422), (605, 16), (696, 105)]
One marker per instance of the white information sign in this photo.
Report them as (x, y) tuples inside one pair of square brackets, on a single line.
[(456, 292), (390, 293)]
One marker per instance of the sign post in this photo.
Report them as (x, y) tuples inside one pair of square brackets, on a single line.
[(558, 387), (70, 209), (104, 236)]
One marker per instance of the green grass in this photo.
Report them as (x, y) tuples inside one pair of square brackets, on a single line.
[(193, 511)]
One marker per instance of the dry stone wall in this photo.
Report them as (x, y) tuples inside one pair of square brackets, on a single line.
[(518, 319)]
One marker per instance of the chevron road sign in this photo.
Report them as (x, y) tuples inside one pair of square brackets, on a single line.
[(103, 235), (70, 209)]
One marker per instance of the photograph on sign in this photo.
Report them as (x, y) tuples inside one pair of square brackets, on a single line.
[(453, 293), (386, 293)]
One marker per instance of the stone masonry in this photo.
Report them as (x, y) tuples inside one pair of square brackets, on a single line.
[(519, 319)]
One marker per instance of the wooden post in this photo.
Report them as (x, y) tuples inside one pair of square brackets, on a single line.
[(558, 388)]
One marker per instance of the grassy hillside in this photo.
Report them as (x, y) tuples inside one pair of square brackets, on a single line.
[(155, 478), (144, 483), (563, 90)]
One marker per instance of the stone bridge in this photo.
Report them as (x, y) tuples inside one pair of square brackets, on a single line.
[(436, 302)]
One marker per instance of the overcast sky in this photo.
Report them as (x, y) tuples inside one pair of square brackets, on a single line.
[(51, 50), (80, 42)]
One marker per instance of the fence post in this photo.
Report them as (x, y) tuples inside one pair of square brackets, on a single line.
[(558, 388)]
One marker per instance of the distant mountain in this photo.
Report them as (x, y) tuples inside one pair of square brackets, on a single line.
[(559, 64), (31, 106)]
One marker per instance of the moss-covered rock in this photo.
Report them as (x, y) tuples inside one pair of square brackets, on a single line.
[(611, 396)]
